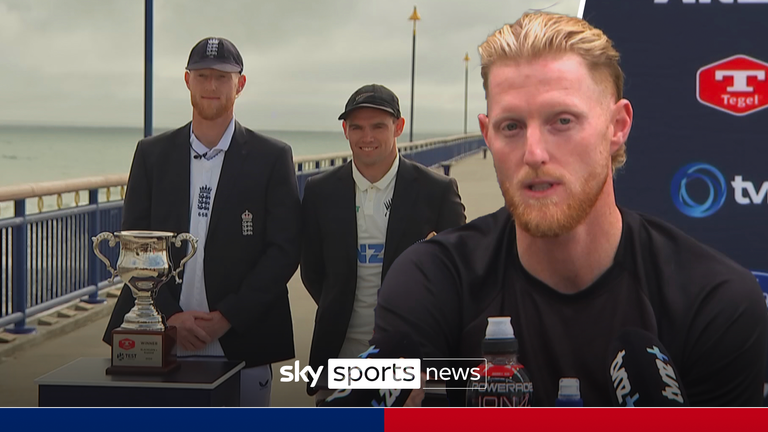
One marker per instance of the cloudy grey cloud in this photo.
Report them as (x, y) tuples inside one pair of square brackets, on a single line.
[(81, 61)]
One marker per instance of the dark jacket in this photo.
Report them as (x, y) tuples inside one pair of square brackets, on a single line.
[(422, 202), (246, 276)]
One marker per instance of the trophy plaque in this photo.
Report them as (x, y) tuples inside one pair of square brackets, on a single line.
[(143, 344)]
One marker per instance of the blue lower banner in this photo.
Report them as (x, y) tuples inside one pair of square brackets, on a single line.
[(190, 419)]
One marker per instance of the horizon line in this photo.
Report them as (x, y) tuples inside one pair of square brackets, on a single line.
[(157, 129)]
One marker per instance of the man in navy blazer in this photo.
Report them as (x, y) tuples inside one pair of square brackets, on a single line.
[(235, 191), (358, 218)]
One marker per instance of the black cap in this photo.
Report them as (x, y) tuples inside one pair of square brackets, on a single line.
[(215, 53), (373, 96)]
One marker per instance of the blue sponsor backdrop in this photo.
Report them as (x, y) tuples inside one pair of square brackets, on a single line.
[(698, 166), (683, 155)]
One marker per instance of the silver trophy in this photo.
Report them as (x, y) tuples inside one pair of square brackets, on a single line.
[(143, 342)]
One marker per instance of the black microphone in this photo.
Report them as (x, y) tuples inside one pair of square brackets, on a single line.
[(390, 345), (642, 372)]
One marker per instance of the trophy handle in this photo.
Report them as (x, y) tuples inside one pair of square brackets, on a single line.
[(192, 242), (96, 240)]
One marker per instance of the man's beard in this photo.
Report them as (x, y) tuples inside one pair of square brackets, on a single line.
[(550, 217), (211, 111)]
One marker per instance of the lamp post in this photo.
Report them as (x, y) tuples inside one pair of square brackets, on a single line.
[(148, 18), (466, 87), (414, 17)]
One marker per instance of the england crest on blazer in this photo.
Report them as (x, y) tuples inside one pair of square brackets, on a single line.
[(247, 223)]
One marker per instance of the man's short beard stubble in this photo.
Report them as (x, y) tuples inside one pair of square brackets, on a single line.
[(544, 218), (210, 112)]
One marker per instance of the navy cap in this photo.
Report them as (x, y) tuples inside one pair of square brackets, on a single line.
[(373, 96), (215, 53)]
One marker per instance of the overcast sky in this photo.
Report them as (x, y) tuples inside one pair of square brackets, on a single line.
[(81, 62)]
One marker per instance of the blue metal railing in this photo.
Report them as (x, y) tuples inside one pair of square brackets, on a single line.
[(46, 258), (6, 305), (50, 261)]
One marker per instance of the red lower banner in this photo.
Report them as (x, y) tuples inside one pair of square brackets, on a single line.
[(575, 419)]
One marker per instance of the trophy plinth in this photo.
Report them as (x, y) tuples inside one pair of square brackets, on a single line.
[(142, 352), (143, 344)]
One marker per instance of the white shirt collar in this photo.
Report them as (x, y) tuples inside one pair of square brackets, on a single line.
[(363, 183), (222, 146)]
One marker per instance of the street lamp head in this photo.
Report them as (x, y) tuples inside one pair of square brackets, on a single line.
[(414, 16)]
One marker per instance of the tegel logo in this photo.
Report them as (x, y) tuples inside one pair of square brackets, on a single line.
[(706, 175), (737, 85), (127, 344)]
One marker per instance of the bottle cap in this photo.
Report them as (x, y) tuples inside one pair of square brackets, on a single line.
[(569, 389), (499, 328), (499, 336)]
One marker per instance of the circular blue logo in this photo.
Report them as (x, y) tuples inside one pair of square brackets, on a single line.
[(711, 177)]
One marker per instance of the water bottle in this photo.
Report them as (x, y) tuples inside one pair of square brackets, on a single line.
[(503, 381), (569, 394)]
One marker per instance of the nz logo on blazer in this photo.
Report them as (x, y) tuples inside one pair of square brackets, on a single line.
[(247, 223)]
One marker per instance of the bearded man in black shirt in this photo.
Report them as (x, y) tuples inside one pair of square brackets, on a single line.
[(568, 265)]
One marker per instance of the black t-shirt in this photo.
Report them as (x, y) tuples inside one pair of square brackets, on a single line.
[(705, 309)]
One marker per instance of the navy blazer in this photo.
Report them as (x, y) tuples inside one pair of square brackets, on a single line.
[(246, 276)]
